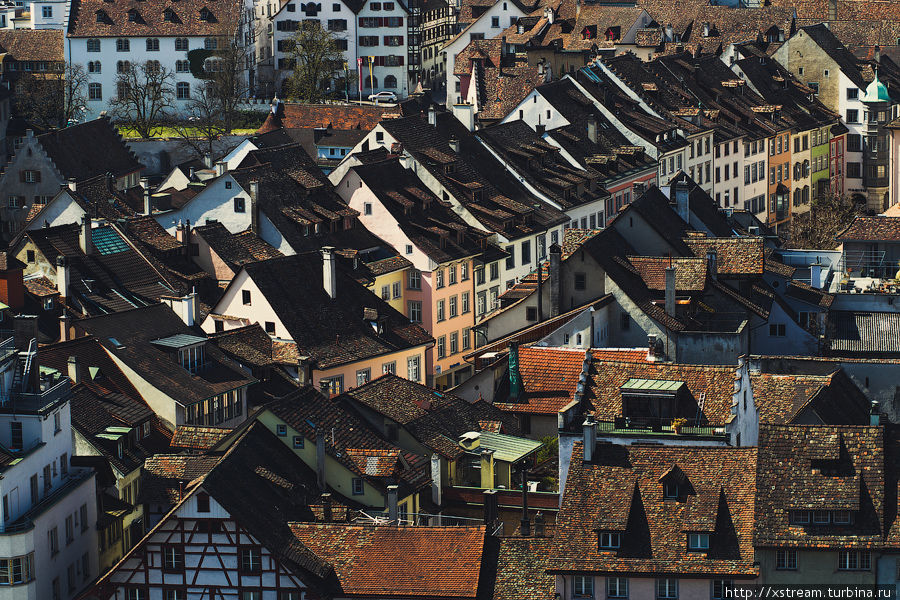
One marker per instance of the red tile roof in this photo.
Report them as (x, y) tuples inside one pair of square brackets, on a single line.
[(690, 273), (734, 256), (114, 19), (296, 116), (874, 229), (431, 562), (198, 438)]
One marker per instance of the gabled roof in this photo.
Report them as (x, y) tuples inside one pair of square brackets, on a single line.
[(98, 18), (389, 561), (193, 437), (690, 273), (871, 229), (107, 152), (236, 249), (822, 468), (822, 35), (834, 398), (857, 333), (735, 256), (296, 116), (38, 45), (128, 336), (521, 569), (549, 379), (621, 491), (332, 331), (435, 419)]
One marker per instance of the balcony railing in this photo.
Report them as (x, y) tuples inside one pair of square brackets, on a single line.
[(26, 521), (656, 426), (419, 519), (38, 402)]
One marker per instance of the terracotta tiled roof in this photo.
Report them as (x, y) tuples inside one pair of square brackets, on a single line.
[(150, 232), (374, 463), (872, 229), (622, 491), (734, 256), (43, 45), (432, 562), (690, 273), (821, 468), (115, 18), (166, 476), (40, 287), (833, 398), (107, 152), (294, 116), (549, 379), (521, 569), (713, 384), (193, 437)]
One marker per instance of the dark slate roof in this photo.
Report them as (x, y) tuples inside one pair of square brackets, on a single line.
[(350, 441), (95, 364), (622, 491), (106, 152), (331, 331), (822, 468), (114, 277), (862, 333), (474, 176), (128, 336), (435, 419), (236, 249), (429, 222)]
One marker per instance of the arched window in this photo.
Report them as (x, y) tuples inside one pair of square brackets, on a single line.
[(210, 44), (371, 82), (123, 89), (806, 168), (181, 44), (94, 66), (152, 44), (122, 66), (182, 66), (797, 197), (805, 194), (183, 90), (153, 66), (390, 82)]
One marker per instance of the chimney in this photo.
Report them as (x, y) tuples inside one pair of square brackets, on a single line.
[(64, 326), (320, 457), (682, 202), (525, 523), (73, 186), (592, 129), (393, 510), (539, 524), (221, 168), (74, 371), (465, 113), (184, 306), (651, 347), (540, 128), (515, 378), (254, 207), (148, 205), (815, 275), (207, 161), (670, 33), (555, 277), (877, 54), (491, 512), (875, 413), (670, 291), (712, 265), (454, 144), (432, 116), (590, 438), (84, 238), (62, 276), (329, 274), (326, 508), (436, 484)]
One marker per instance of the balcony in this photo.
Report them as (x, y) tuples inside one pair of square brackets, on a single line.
[(26, 521), (54, 391)]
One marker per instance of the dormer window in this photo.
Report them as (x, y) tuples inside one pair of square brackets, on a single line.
[(610, 540), (134, 16), (821, 517), (698, 541), (191, 358), (840, 517), (670, 489), (169, 15), (205, 14), (800, 517), (449, 168), (101, 18)]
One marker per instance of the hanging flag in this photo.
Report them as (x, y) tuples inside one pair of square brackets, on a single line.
[(359, 75)]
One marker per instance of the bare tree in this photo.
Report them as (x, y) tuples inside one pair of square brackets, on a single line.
[(827, 217), (144, 96), (203, 123), (52, 99), (316, 59)]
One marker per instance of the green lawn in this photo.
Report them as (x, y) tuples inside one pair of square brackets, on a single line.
[(169, 132)]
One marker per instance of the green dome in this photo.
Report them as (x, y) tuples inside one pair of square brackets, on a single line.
[(876, 92)]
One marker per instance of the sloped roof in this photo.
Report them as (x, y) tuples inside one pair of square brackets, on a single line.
[(833, 398), (107, 152), (521, 569), (872, 229), (236, 249), (735, 256), (193, 437), (44, 45), (151, 18)]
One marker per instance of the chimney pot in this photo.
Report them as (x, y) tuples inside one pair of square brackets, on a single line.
[(589, 438), (62, 276), (329, 272), (72, 184), (84, 239), (221, 168)]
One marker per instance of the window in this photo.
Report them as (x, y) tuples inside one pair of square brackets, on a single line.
[(465, 302), (854, 560), (203, 502), (15, 428), (414, 280), (83, 512), (19, 570), (698, 541), (181, 44), (415, 311), (210, 44), (616, 587), (183, 90), (152, 45), (123, 45), (95, 91), (854, 142), (53, 540), (464, 272), (580, 281), (526, 252), (441, 347), (854, 170), (776, 330), (667, 588), (799, 516), (852, 115), (840, 517), (245, 297), (409, 249), (583, 586), (363, 376), (70, 530), (439, 278), (135, 593), (453, 306), (852, 93), (389, 367), (251, 560), (454, 343), (47, 12), (182, 66), (495, 271), (281, 430), (413, 368), (93, 45), (610, 540), (174, 594), (719, 587), (786, 559), (395, 290), (173, 558), (466, 338)]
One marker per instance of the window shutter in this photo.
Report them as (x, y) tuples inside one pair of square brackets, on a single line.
[(37, 176)]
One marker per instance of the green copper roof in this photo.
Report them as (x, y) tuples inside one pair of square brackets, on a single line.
[(507, 448), (652, 385)]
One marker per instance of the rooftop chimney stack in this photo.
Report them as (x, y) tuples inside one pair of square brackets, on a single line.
[(712, 264), (432, 116), (590, 438), (221, 168), (320, 457), (651, 347), (74, 372), (592, 129), (670, 290), (208, 161), (148, 205), (875, 414), (329, 273), (525, 523), (539, 524), (64, 325), (72, 184), (327, 515), (555, 275), (682, 201), (254, 207), (454, 144), (491, 512), (393, 508), (84, 238), (62, 276), (515, 377)]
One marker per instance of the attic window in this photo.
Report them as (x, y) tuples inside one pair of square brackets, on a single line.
[(134, 16), (205, 14), (169, 15), (698, 541), (610, 540), (101, 16), (670, 489), (449, 168)]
